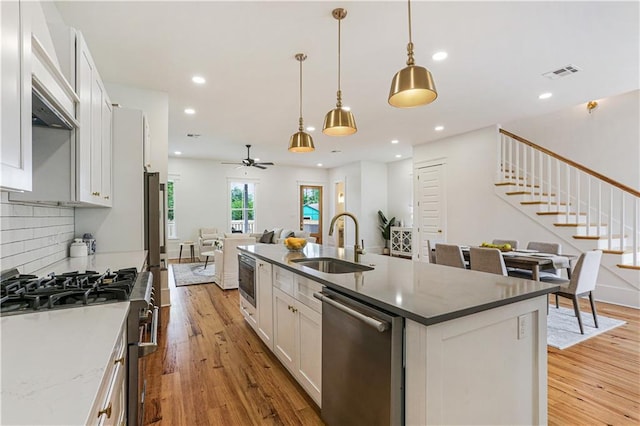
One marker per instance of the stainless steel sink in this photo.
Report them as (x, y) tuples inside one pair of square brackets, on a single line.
[(330, 265)]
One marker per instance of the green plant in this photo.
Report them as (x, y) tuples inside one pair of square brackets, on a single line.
[(385, 225)]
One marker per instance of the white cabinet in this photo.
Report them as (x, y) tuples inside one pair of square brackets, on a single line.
[(297, 331), (147, 146), (264, 300), (109, 407), (249, 313), (15, 118), (401, 241), (93, 139)]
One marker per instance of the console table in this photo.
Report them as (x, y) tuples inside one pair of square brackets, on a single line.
[(401, 241)]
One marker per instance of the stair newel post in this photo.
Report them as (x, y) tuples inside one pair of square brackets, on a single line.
[(501, 163), (622, 218), (599, 207)]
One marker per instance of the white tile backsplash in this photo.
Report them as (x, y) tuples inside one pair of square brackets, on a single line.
[(33, 236)]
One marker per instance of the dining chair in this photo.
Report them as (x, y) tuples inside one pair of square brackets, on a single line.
[(486, 259), (450, 255), (513, 243), (582, 283), (431, 251), (542, 247)]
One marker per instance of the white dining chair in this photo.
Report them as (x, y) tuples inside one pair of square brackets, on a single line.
[(485, 259), (582, 283), (450, 255)]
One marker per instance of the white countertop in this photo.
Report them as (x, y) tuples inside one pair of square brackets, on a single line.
[(53, 362), (98, 262)]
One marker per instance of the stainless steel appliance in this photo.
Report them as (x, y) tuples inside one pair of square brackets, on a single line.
[(362, 363), (23, 294), (247, 278), (154, 227)]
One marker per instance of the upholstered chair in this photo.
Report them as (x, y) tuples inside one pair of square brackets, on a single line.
[(450, 255), (486, 259)]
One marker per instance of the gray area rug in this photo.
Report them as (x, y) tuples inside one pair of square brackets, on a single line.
[(563, 330), (193, 273)]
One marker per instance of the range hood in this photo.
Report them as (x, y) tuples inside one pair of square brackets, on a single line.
[(53, 99)]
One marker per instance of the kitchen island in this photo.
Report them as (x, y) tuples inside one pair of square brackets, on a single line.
[(475, 343)]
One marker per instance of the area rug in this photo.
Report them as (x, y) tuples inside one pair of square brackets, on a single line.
[(193, 273), (563, 330)]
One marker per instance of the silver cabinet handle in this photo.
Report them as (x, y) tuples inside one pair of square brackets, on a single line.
[(145, 349), (381, 326)]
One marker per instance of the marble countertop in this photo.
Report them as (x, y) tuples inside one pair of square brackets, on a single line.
[(53, 363), (99, 262), (423, 292)]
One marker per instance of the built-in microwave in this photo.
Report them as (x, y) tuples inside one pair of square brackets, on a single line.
[(247, 278)]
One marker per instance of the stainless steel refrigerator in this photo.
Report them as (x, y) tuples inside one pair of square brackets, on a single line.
[(155, 240)]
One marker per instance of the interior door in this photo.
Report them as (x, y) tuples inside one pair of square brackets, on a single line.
[(431, 207), (311, 211)]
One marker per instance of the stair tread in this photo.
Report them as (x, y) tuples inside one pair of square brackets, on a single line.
[(579, 224), (515, 183), (558, 213), (541, 202), (528, 193), (627, 266), (595, 237)]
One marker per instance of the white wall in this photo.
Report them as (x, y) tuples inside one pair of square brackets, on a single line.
[(201, 188), (607, 140), (155, 106), (374, 198), (400, 191), (351, 176)]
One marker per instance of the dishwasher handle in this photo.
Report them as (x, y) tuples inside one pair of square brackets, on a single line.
[(381, 326), (145, 349)]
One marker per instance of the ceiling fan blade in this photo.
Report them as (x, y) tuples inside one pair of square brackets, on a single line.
[(266, 164), (258, 166), (233, 163)]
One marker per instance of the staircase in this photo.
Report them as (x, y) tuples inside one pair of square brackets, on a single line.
[(582, 207)]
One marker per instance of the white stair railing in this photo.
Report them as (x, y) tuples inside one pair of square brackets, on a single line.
[(598, 205)]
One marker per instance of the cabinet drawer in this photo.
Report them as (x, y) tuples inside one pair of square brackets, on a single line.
[(304, 292), (283, 279)]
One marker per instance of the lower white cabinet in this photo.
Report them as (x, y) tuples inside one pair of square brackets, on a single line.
[(249, 313), (401, 241), (264, 291), (297, 338), (109, 407)]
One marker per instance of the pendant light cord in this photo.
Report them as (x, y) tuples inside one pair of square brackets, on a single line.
[(410, 60), (409, 8), (301, 126)]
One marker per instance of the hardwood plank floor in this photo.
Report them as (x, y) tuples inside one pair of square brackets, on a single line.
[(212, 369)]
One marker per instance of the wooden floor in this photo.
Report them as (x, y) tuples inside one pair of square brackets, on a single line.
[(212, 369)]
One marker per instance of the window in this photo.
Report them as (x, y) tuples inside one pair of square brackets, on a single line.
[(171, 214), (243, 195)]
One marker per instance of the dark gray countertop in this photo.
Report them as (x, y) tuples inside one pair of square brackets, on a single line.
[(420, 291)]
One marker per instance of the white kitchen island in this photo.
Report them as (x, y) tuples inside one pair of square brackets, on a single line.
[(474, 343)]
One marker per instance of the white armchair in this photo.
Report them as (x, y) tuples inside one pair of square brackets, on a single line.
[(226, 260), (206, 241)]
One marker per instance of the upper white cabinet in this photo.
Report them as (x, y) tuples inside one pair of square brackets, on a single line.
[(93, 139), (15, 117)]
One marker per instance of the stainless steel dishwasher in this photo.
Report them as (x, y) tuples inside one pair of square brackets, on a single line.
[(362, 363)]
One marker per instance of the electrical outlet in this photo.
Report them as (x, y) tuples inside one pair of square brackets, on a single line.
[(522, 327)]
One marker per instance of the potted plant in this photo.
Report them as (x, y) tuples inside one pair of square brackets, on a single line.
[(385, 228)]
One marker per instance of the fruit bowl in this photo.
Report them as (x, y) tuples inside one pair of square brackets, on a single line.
[(501, 247), (295, 244)]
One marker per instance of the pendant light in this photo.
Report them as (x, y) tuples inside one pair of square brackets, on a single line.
[(339, 121), (412, 86), (301, 141)]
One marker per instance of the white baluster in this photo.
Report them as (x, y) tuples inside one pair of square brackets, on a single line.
[(622, 218), (599, 208), (540, 176), (524, 172), (568, 173), (577, 212), (549, 186), (517, 170), (636, 230), (610, 229), (557, 184), (589, 201)]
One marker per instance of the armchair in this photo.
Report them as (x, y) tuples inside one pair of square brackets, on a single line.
[(206, 241)]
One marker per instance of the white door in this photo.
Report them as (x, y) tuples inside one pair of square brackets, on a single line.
[(284, 333), (431, 207)]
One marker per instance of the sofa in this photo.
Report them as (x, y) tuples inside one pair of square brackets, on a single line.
[(226, 252)]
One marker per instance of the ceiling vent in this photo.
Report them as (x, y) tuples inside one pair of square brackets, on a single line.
[(193, 135), (562, 72)]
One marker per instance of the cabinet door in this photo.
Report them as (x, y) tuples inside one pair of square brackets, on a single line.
[(264, 288), (15, 118), (284, 328), (309, 354), (107, 147), (84, 84), (97, 99)]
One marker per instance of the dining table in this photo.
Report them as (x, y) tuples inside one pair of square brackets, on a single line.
[(532, 260)]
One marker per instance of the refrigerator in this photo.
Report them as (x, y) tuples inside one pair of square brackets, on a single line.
[(155, 241)]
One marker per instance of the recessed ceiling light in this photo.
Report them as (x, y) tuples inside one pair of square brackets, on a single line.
[(438, 128), (439, 56), (189, 111), (310, 128), (398, 155), (198, 79), (346, 108), (395, 141), (545, 95), (319, 164), (178, 153), (335, 151)]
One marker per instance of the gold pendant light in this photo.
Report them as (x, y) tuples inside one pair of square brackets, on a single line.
[(412, 86), (301, 141), (339, 121)]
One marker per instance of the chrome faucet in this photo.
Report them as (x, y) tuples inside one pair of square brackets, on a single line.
[(356, 248)]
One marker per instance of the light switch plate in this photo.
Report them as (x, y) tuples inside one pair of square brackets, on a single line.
[(522, 327)]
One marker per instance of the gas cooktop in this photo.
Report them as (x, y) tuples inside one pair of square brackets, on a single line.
[(21, 294)]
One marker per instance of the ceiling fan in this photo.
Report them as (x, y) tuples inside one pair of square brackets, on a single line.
[(250, 162)]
